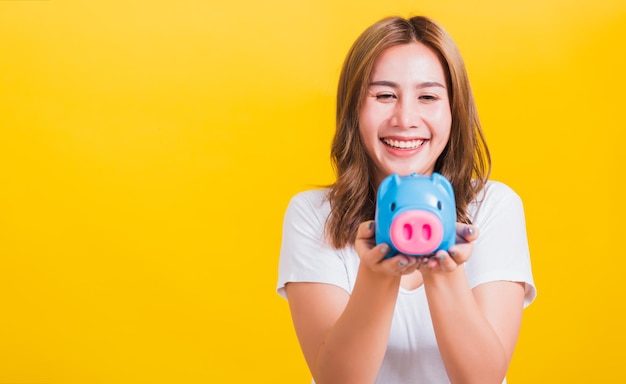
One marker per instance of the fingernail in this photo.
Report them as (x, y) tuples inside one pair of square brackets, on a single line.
[(401, 263), (384, 249), (469, 230), (441, 256), (452, 252), (370, 225)]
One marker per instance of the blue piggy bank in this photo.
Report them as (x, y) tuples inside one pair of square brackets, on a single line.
[(415, 214)]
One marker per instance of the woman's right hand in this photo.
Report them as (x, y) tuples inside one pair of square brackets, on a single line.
[(372, 255)]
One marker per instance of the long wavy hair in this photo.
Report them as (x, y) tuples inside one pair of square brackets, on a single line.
[(465, 160)]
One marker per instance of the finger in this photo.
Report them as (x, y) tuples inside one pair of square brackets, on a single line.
[(373, 256), (409, 263), (445, 261), (423, 262), (400, 264), (466, 232), (365, 230), (460, 253), (427, 262), (365, 237)]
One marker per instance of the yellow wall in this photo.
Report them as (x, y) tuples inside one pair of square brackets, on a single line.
[(148, 150)]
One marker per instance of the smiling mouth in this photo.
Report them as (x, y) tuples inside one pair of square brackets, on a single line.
[(403, 144)]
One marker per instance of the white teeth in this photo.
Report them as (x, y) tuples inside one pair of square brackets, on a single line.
[(411, 144)]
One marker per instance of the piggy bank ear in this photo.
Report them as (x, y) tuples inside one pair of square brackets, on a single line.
[(389, 183), (439, 179)]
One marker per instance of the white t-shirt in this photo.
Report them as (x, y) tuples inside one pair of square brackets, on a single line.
[(500, 254)]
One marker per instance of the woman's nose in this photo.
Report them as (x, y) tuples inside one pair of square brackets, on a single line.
[(406, 114)]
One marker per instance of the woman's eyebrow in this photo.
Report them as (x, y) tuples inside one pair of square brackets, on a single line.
[(424, 84), (384, 83)]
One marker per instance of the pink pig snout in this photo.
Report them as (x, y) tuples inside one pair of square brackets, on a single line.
[(416, 232)]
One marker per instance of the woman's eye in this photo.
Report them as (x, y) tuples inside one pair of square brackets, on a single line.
[(385, 96), (428, 98)]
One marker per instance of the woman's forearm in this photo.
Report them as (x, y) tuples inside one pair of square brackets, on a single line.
[(353, 349), (469, 346)]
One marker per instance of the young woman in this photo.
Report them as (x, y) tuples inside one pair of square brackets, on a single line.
[(404, 105)]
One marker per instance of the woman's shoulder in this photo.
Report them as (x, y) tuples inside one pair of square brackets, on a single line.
[(496, 190), (310, 202), (312, 198), (494, 196)]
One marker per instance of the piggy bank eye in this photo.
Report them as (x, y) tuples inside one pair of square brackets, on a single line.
[(393, 207), (439, 205)]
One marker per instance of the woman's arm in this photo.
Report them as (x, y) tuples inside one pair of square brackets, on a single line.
[(344, 337), (477, 329)]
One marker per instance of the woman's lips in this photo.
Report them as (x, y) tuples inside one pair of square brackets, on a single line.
[(403, 144)]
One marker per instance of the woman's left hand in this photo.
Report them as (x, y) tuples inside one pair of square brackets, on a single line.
[(456, 254)]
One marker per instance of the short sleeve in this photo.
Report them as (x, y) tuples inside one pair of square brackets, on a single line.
[(305, 256), (501, 251)]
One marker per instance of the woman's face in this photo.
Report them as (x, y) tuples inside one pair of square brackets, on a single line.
[(405, 118)]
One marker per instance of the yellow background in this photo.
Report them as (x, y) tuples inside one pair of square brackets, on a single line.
[(148, 150)]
